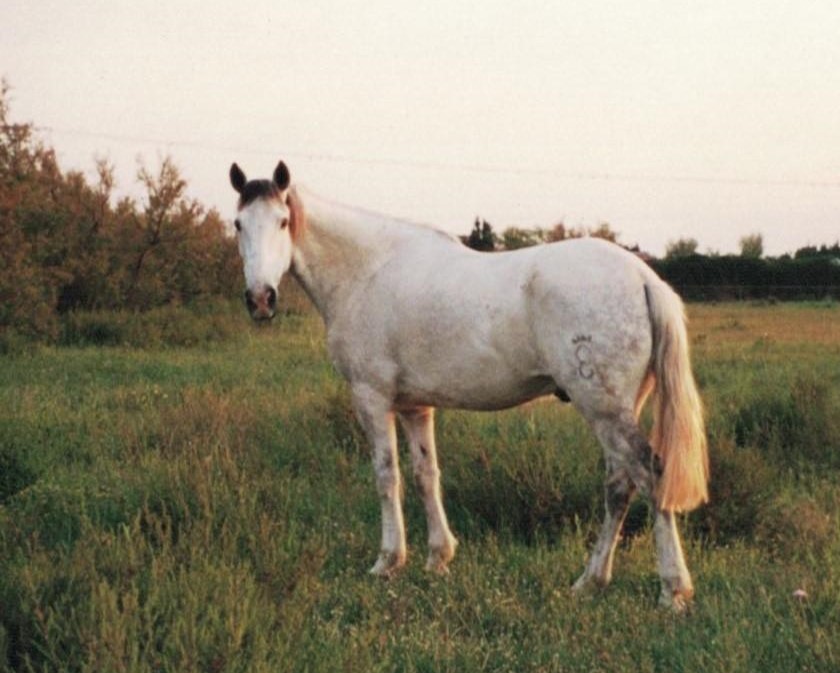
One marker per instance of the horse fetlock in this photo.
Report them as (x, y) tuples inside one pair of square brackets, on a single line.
[(676, 594), (441, 554), (589, 583), (388, 563)]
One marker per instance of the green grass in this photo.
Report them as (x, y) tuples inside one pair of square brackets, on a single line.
[(203, 502)]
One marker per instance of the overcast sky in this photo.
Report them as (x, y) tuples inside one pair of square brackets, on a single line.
[(667, 119)]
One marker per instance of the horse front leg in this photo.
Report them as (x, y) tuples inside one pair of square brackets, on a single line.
[(418, 425), (377, 420)]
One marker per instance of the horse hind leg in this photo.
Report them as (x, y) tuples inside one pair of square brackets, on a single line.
[(677, 587), (418, 426), (618, 491), (631, 463)]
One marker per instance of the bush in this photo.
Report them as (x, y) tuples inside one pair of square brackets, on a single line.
[(795, 526), (176, 326), (720, 278), (56, 512), (15, 473), (530, 477), (741, 485), (797, 426)]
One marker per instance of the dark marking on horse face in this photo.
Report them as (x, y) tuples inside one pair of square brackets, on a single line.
[(258, 189), (424, 451), (562, 395)]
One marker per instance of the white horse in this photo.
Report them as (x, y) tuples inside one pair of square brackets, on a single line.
[(416, 320)]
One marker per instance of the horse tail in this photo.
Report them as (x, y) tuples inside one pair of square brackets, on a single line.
[(678, 437)]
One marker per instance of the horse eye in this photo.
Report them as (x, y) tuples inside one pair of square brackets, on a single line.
[(238, 225), (284, 223)]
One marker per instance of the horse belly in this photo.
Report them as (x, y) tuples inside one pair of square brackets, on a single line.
[(478, 380), (475, 395)]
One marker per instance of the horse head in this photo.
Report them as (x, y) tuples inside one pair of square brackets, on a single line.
[(267, 224)]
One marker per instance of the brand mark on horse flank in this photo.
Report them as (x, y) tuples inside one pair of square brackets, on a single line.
[(582, 338), (583, 353)]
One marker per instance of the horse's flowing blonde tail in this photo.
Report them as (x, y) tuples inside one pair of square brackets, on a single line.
[(679, 436)]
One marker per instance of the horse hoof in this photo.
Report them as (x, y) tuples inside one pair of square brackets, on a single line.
[(587, 584), (583, 589), (388, 564), (437, 563), (440, 556), (678, 602)]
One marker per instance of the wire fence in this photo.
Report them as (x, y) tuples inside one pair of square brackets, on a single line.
[(697, 292), (332, 157)]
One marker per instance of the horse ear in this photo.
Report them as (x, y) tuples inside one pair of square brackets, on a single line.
[(237, 178), (281, 176)]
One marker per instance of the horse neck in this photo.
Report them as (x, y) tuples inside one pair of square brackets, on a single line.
[(338, 249)]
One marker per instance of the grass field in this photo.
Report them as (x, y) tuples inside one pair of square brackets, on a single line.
[(210, 507)]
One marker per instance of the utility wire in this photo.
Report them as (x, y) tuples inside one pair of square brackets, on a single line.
[(439, 165)]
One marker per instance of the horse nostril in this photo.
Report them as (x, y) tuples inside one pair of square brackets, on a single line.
[(272, 298), (249, 301)]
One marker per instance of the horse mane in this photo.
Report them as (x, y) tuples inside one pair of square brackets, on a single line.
[(297, 215)]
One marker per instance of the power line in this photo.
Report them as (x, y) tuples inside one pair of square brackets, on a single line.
[(458, 166)]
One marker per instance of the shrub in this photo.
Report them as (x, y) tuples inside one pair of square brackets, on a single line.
[(527, 475), (795, 526), (167, 326), (741, 485), (56, 512), (15, 473), (797, 426)]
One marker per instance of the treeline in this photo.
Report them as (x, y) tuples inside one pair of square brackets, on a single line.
[(483, 238), (809, 273), (726, 277), (66, 244)]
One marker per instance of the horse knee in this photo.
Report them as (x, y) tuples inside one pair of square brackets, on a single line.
[(426, 478), (387, 479)]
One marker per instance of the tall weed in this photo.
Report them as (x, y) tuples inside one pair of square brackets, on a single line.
[(797, 426)]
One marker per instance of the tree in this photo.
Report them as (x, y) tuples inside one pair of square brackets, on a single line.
[(560, 232), (27, 295), (156, 226), (488, 237), (557, 233), (64, 246), (481, 237), (605, 231), (752, 246), (682, 247), (474, 239), (514, 238), (809, 251)]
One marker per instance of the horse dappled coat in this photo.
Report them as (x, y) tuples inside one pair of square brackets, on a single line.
[(415, 320)]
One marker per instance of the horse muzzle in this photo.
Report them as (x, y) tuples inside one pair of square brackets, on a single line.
[(261, 303)]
